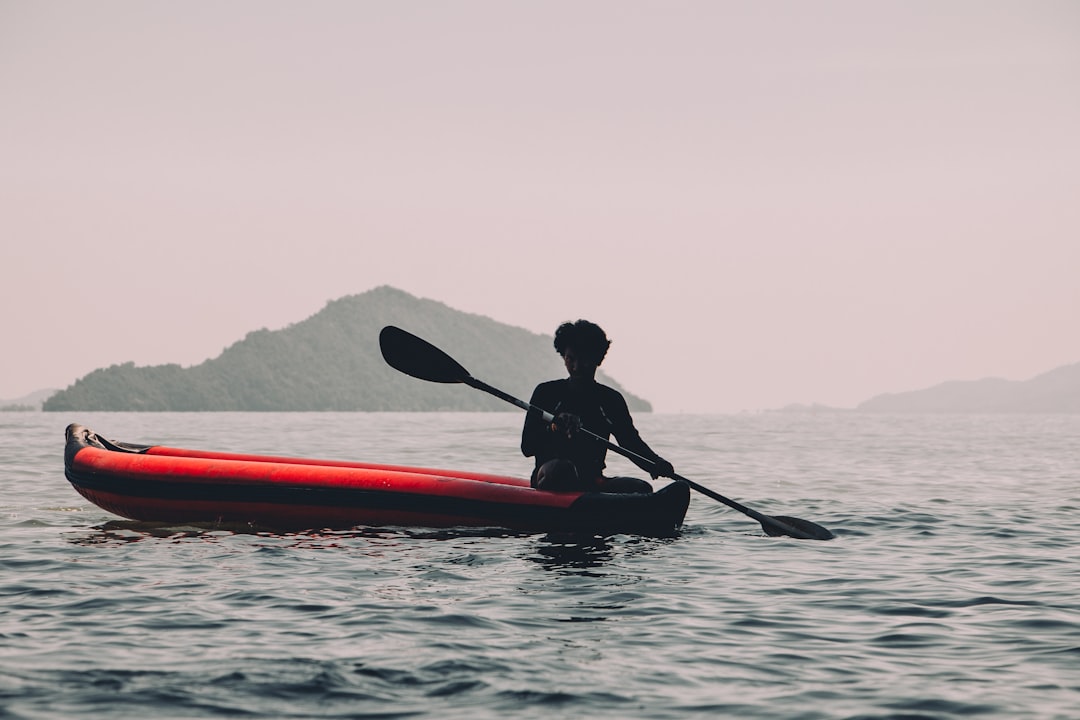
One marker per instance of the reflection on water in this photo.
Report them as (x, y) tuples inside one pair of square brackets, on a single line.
[(563, 552), (121, 532), (576, 552)]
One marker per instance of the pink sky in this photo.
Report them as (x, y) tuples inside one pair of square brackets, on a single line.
[(763, 203)]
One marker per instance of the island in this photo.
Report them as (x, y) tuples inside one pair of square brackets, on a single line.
[(331, 362)]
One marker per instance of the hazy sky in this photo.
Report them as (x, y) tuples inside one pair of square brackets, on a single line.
[(762, 202)]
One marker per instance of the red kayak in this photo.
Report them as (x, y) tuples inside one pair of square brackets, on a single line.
[(156, 483)]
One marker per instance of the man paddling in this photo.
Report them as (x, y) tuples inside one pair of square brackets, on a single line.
[(565, 458)]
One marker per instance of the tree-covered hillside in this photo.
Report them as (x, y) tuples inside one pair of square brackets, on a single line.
[(331, 361)]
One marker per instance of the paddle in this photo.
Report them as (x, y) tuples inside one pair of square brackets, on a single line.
[(414, 356)]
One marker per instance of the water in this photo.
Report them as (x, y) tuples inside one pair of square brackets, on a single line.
[(952, 589)]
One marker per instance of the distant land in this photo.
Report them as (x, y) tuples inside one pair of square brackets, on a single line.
[(812, 409), (332, 362), (31, 402), (1056, 391)]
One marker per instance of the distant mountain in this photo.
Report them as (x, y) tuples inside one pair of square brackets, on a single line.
[(331, 361), (32, 401), (811, 409), (1056, 391)]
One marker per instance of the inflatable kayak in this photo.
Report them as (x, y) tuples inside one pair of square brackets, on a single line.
[(156, 483)]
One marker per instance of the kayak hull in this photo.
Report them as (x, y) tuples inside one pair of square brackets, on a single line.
[(156, 483)]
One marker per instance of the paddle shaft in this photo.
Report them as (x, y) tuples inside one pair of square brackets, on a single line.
[(633, 456), (481, 385)]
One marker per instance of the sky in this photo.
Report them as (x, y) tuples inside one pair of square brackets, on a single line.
[(763, 203)]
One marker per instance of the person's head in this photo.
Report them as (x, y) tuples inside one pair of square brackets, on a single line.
[(583, 346)]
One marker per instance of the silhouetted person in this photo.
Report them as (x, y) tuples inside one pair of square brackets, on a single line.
[(570, 460)]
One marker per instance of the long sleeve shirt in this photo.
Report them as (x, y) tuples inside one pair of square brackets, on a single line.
[(602, 410)]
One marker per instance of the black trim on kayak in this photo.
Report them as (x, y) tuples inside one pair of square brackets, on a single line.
[(282, 494), (593, 511)]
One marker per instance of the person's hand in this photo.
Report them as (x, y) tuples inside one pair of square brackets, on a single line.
[(662, 468), (567, 423)]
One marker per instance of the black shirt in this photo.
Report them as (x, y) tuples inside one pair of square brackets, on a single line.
[(602, 411)]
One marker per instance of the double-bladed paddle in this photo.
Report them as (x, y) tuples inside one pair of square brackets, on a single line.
[(417, 357)]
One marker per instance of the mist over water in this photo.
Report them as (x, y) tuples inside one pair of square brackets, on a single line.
[(951, 589)]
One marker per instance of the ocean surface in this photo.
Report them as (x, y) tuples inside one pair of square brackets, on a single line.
[(951, 590)]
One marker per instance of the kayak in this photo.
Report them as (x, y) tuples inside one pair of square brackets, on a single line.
[(157, 483)]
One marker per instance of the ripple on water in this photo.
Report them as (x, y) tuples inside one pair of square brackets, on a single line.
[(950, 589)]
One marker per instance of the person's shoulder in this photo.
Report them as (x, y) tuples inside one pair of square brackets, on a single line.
[(610, 393), (548, 387)]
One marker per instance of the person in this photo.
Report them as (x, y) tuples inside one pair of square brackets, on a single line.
[(566, 458)]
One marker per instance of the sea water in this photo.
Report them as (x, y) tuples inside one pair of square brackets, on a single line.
[(952, 588)]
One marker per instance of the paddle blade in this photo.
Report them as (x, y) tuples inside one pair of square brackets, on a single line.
[(413, 356), (810, 530)]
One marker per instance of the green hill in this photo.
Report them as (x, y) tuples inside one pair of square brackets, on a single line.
[(331, 361)]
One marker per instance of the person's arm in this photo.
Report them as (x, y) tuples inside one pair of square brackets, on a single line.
[(534, 433), (628, 437)]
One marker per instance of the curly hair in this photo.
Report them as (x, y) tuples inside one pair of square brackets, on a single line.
[(585, 337)]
